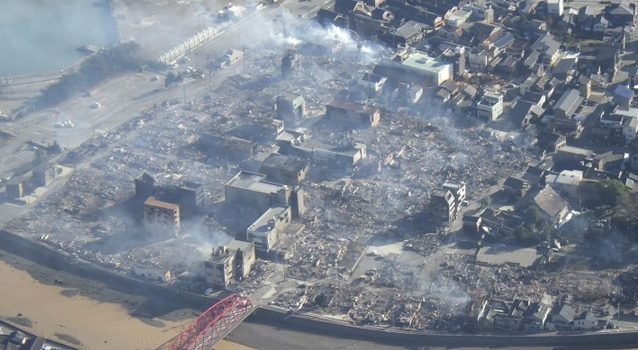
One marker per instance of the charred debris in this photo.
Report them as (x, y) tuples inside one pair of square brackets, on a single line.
[(436, 165)]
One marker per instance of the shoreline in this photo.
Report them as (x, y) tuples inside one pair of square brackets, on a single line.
[(42, 255)]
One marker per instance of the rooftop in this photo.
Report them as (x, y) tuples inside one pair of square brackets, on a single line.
[(254, 182), (265, 222), (153, 202), (420, 60), (285, 162)]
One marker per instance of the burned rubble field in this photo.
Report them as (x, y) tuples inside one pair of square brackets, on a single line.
[(95, 216)]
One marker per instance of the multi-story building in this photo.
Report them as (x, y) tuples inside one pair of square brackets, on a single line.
[(161, 217), (265, 231), (555, 7), (490, 106), (248, 190), (231, 262)]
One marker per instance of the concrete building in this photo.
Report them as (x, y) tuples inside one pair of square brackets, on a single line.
[(352, 114), (435, 70), (566, 182), (567, 104), (290, 106), (555, 7), (413, 66), (286, 169), (334, 157), (219, 268), (144, 185), (265, 231), (231, 262), (232, 56), (244, 257), (570, 157), (457, 190), (161, 217), (490, 106), (43, 174), (16, 187), (189, 195), (248, 190), (442, 207)]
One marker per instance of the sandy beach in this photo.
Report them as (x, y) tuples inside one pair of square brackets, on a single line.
[(58, 313)]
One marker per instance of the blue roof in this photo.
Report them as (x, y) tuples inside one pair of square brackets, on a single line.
[(624, 91)]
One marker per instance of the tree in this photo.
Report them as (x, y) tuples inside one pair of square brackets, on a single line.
[(613, 192), (104, 65), (172, 78), (534, 229)]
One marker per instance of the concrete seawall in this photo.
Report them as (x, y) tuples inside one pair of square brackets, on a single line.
[(57, 260)]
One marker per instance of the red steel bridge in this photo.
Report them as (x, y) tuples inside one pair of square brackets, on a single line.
[(213, 324)]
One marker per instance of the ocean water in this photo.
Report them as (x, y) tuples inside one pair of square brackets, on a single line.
[(39, 36)]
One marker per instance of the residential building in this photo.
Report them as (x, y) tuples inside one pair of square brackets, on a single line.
[(442, 207), (417, 66), (566, 182), (563, 319), (570, 157), (265, 231), (144, 186), (248, 191), (352, 114), (228, 263), (490, 106), (552, 205), (623, 96), (516, 186), (286, 169), (555, 7), (43, 174), (16, 187), (219, 268), (458, 191), (161, 218), (567, 104), (290, 106)]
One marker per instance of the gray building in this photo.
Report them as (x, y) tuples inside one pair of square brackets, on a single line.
[(43, 174), (568, 103), (248, 190), (290, 106), (265, 231), (286, 169)]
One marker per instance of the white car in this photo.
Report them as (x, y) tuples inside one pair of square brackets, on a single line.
[(64, 124)]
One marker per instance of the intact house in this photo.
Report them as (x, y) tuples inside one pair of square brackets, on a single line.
[(553, 206), (567, 104), (490, 106)]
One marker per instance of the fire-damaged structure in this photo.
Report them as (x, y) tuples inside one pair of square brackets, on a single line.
[(438, 166)]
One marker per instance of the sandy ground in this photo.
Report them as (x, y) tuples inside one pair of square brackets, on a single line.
[(59, 314)]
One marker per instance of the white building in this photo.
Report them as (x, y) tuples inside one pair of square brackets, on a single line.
[(264, 232), (490, 106), (435, 70), (555, 7), (566, 182)]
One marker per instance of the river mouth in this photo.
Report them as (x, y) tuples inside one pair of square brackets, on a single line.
[(41, 36)]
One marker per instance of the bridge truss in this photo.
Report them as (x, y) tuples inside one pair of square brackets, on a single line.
[(213, 324)]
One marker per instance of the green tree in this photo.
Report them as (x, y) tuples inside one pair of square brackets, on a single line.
[(612, 192)]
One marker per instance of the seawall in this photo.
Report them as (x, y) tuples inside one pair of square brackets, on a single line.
[(44, 255)]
